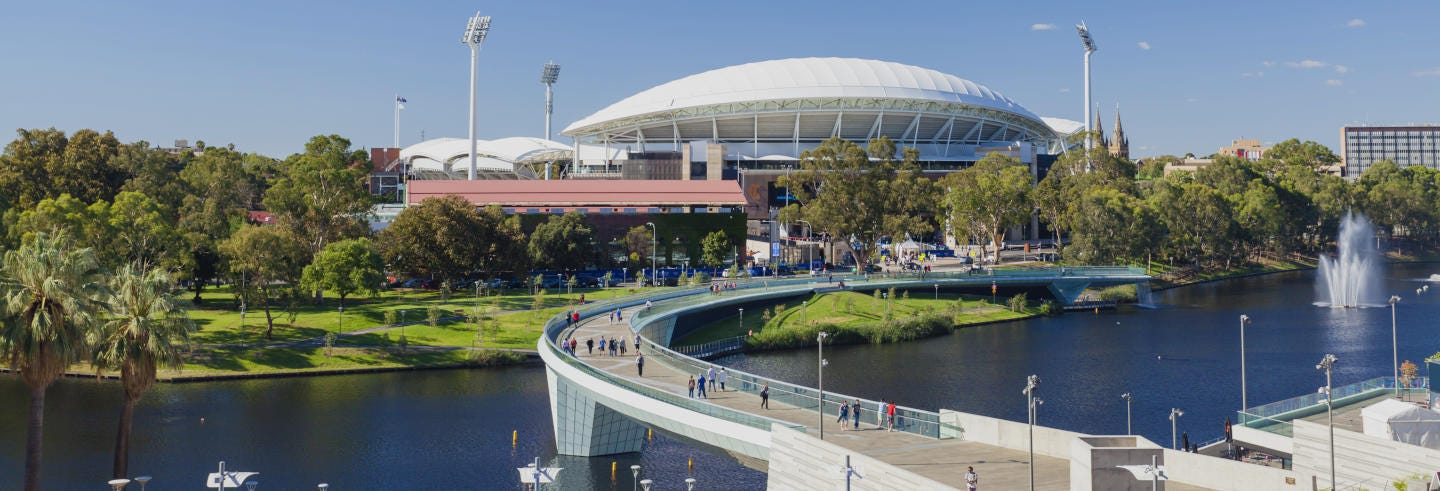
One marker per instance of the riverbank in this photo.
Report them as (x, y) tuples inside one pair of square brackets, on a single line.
[(1178, 277)]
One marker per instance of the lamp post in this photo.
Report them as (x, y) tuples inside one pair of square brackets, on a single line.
[(342, 319), (1089, 44), (689, 484), (1326, 364), (118, 484), (634, 473), (742, 318), (251, 485), (475, 32), (143, 480), (937, 291), (1031, 384), (820, 369), (654, 249), (645, 484), (1128, 399), (1175, 415), (1244, 400), (1395, 343)]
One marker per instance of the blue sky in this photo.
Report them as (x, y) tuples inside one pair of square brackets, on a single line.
[(265, 75)]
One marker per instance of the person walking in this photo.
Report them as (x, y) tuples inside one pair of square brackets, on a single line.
[(765, 396), (613, 346), (972, 480), (701, 392), (640, 364), (722, 376), (622, 347), (692, 387), (844, 418), (590, 346), (855, 413), (710, 375)]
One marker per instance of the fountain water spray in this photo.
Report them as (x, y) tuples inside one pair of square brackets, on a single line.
[(1352, 279)]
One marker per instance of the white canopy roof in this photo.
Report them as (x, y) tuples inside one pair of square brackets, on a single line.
[(801, 78), (1402, 422)]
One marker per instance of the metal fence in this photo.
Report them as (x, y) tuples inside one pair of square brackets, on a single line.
[(719, 347), (910, 420), (1275, 417)]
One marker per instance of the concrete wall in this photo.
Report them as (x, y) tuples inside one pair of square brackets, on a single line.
[(1049, 442), (1095, 463), (801, 462), (1224, 474), (1360, 460)]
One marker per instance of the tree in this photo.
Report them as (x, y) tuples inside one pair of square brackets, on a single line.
[(993, 195), (143, 330), (141, 231), (320, 195), (860, 194), (52, 299), (41, 164), (346, 267), (219, 190), (446, 237), (715, 247), (154, 173), (639, 241), (1109, 225), (1307, 153), (270, 258), (563, 242)]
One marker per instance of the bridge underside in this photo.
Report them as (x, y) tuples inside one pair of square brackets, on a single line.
[(586, 428)]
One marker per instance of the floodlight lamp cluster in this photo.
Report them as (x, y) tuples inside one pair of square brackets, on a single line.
[(550, 74), (476, 30), (1085, 38), (1175, 413), (1327, 362), (1031, 383)]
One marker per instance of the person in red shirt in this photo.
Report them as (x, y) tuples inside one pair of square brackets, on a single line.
[(890, 416)]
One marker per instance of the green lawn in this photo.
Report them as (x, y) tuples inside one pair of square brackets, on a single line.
[(219, 322), (831, 308), (516, 330)]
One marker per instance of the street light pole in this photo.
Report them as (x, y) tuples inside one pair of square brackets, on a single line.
[(809, 254), (1089, 44), (1395, 343), (634, 473), (1031, 384), (1128, 398), (1244, 400), (1326, 364), (1175, 415), (342, 319), (820, 368)]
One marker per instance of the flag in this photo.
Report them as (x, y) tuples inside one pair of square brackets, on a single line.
[(400, 101)]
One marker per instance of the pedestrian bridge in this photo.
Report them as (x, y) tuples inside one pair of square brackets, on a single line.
[(600, 405)]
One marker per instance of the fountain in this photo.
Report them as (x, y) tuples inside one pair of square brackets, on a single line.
[(1352, 279)]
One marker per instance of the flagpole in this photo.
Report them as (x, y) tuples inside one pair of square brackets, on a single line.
[(397, 121)]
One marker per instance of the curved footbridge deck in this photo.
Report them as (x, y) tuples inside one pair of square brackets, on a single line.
[(601, 405)]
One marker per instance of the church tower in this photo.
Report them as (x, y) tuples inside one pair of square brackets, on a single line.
[(1099, 130), (1119, 145)]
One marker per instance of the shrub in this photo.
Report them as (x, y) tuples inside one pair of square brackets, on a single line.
[(1017, 302)]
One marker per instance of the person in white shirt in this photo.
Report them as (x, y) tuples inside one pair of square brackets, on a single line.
[(972, 480), (722, 378), (710, 378)]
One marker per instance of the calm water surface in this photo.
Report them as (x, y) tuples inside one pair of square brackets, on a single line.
[(451, 429)]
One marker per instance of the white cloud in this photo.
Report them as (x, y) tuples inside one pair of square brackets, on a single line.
[(1252, 75), (1341, 69), (1433, 72), (1268, 63), (1144, 45), (1334, 83), (1064, 90), (1041, 27), (1306, 64), (1355, 23)]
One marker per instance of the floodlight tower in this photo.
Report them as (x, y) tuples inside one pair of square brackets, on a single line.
[(1090, 48), (548, 76), (475, 32)]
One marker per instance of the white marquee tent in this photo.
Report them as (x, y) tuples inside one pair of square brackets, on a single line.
[(1402, 422)]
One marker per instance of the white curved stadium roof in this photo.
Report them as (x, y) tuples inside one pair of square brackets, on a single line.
[(805, 78), (503, 158), (810, 99)]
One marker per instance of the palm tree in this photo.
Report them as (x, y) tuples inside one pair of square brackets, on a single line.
[(50, 302), (145, 328)]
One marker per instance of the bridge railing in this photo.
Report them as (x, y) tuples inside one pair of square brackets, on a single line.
[(1276, 417), (907, 419), (557, 324)]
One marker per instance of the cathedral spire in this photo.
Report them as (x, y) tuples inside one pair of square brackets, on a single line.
[(1099, 130), (1119, 145)]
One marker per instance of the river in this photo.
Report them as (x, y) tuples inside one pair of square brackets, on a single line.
[(451, 429)]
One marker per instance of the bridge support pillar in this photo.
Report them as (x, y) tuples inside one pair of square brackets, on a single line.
[(585, 427), (1066, 291)]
